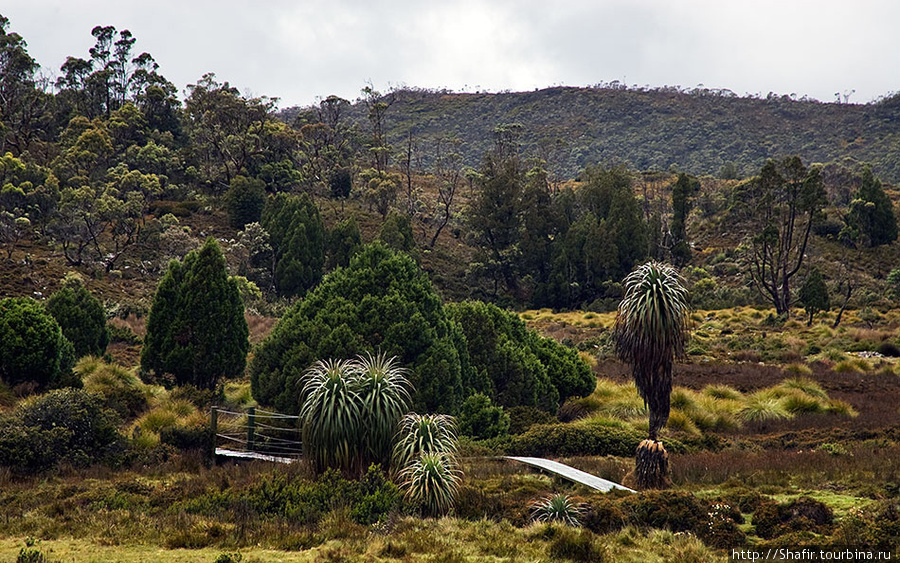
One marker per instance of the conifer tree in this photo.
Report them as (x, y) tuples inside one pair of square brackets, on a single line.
[(33, 349), (344, 240), (685, 187), (81, 317), (196, 330), (814, 294), (872, 214), (245, 200), (297, 235)]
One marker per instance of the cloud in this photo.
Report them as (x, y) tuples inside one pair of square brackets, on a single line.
[(303, 49)]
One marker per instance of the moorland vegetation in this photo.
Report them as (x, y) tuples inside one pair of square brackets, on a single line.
[(430, 281)]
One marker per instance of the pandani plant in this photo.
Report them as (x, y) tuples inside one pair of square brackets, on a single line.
[(650, 332)]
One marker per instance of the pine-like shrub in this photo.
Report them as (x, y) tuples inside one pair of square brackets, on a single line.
[(382, 302), (196, 330), (33, 349), (297, 236), (81, 318), (515, 366)]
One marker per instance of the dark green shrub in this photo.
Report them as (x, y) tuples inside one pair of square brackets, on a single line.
[(196, 330), (29, 449), (186, 437), (244, 200), (745, 500), (344, 240), (522, 418), (803, 514), (396, 232), (94, 428), (514, 365), (603, 515), (576, 545), (382, 302), (481, 419), (876, 526), (200, 398), (889, 349), (677, 511), (721, 528), (122, 334), (297, 236), (176, 208), (33, 349), (551, 440), (81, 318), (63, 425), (129, 402), (369, 500)]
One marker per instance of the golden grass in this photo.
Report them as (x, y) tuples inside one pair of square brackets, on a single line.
[(716, 407)]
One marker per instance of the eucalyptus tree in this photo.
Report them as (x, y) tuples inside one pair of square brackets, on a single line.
[(650, 332), (778, 208)]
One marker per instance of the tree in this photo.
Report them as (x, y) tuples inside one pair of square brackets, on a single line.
[(245, 200), (232, 134), (814, 294), (449, 173), (382, 302), (33, 349), (297, 236), (494, 214), (515, 366), (101, 85), (377, 106), (872, 213), (396, 232), (81, 317), (682, 192), (650, 332), (344, 240), (196, 330), (779, 206), (23, 107), (380, 189), (481, 419)]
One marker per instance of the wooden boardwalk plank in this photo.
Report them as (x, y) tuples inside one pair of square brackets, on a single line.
[(254, 455), (571, 473)]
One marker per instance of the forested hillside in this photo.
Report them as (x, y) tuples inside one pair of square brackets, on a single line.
[(421, 284), (700, 131)]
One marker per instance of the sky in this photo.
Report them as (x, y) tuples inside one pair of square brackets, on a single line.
[(301, 51)]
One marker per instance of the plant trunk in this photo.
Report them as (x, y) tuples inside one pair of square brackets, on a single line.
[(651, 466)]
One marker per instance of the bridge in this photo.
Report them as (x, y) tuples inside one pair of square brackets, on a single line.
[(274, 437)]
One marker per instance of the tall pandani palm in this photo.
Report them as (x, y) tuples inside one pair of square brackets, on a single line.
[(350, 411), (650, 333), (330, 414), (385, 393)]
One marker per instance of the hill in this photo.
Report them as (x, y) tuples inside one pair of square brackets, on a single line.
[(699, 131)]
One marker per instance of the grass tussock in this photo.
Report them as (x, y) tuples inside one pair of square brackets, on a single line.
[(715, 408)]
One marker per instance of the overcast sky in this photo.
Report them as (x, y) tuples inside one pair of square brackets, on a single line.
[(302, 50)]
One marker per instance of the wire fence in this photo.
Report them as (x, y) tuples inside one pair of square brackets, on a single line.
[(256, 433)]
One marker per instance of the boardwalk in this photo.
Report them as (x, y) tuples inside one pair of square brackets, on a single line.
[(572, 474), (274, 437), (254, 455)]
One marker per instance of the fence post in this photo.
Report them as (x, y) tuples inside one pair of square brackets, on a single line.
[(214, 432), (251, 427)]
